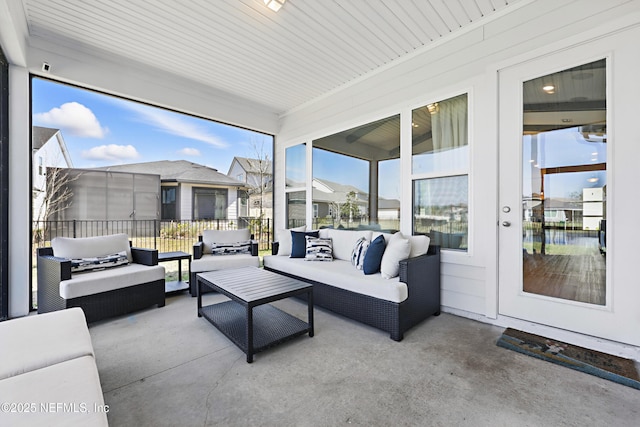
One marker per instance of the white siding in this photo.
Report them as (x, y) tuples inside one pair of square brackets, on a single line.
[(470, 64)]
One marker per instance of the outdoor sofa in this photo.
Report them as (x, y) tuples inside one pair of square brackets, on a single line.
[(222, 249), (48, 373), (393, 304), (103, 275)]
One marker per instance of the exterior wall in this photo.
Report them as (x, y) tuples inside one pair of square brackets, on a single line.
[(52, 156), (236, 170), (185, 205), (469, 63)]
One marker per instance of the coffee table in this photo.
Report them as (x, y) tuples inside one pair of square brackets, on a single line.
[(247, 318)]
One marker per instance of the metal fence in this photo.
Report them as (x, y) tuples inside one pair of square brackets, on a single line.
[(165, 236)]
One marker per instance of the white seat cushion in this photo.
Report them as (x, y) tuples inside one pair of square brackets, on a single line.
[(33, 342), (220, 262), (341, 274), (93, 282), (74, 383)]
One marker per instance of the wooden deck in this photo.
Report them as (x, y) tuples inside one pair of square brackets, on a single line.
[(572, 277)]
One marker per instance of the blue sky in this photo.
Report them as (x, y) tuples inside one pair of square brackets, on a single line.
[(102, 130)]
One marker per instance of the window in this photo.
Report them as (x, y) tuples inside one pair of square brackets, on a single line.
[(295, 189), (440, 167), (209, 203), (243, 203), (315, 210), (169, 207), (240, 177), (41, 168), (356, 177)]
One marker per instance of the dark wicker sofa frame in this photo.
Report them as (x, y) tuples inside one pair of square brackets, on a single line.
[(52, 270), (422, 276)]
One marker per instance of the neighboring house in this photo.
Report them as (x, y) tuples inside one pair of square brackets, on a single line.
[(258, 175), (48, 151), (190, 191)]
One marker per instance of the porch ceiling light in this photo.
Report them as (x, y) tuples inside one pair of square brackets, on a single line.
[(274, 5)]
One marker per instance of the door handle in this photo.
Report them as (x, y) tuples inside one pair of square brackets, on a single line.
[(506, 224)]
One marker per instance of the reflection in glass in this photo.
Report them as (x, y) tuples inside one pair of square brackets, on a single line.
[(564, 166), (295, 166), (440, 209), (439, 136), (440, 149), (356, 177), (296, 208), (295, 176)]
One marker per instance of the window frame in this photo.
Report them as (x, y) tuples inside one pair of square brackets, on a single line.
[(212, 192), (454, 172)]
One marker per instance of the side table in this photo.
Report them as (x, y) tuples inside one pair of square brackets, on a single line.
[(178, 285)]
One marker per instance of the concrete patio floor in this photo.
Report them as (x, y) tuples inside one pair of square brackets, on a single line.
[(167, 367)]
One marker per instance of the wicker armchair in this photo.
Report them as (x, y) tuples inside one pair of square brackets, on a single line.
[(101, 293)]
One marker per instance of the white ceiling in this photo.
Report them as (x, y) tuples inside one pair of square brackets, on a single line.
[(277, 60)]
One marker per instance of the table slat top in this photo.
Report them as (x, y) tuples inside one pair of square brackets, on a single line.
[(253, 284)]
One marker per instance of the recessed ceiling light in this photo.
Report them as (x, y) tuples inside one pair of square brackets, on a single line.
[(549, 88), (274, 5)]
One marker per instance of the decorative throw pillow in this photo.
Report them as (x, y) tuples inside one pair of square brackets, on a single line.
[(359, 251), (299, 244), (99, 263), (398, 249), (373, 257), (318, 249), (231, 248)]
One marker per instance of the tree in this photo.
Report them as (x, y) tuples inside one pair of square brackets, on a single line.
[(349, 208), (261, 165), (56, 196)]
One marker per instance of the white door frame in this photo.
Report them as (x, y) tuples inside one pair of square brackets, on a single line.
[(618, 320)]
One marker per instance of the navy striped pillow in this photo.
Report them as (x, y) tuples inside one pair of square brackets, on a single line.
[(319, 249)]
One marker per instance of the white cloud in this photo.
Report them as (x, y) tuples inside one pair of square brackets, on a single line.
[(111, 152), (174, 123), (193, 152), (73, 118)]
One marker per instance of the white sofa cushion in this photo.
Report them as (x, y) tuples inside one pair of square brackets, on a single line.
[(56, 337), (397, 249), (212, 262), (419, 245), (284, 240), (74, 383), (223, 236), (88, 247), (344, 241), (93, 282), (343, 275)]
